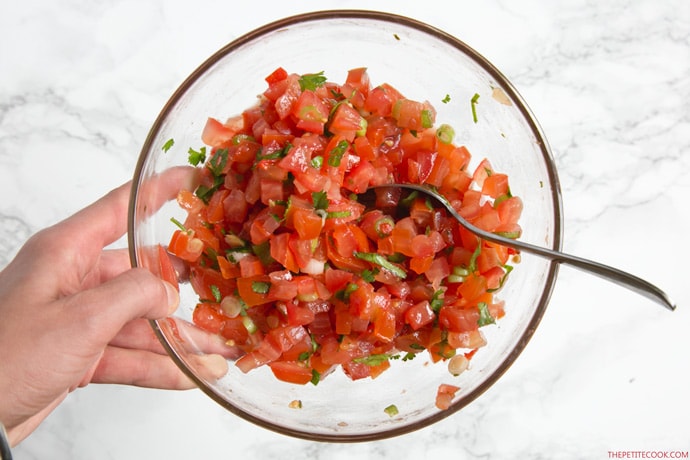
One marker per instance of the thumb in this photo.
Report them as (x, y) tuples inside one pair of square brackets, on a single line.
[(100, 312)]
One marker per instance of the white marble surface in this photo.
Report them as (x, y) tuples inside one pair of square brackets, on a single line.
[(81, 82)]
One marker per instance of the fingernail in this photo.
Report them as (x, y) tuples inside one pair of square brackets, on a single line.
[(215, 366), (173, 297)]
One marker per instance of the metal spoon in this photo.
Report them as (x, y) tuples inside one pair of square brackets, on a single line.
[(615, 275)]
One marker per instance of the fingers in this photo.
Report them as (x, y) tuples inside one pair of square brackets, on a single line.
[(104, 221), (141, 368), (138, 334), (151, 370), (97, 315)]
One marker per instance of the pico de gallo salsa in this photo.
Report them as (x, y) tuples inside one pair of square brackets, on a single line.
[(294, 270)]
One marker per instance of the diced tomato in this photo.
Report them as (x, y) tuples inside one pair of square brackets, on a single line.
[(291, 372), (216, 133), (445, 395), (166, 269), (419, 315), (208, 317)]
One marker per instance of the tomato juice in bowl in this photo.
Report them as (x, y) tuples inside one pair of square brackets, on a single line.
[(489, 119)]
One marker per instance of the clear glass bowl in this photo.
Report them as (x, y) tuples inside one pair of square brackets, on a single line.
[(424, 63)]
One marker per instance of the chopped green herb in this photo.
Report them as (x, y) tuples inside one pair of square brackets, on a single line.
[(473, 103), (373, 360), (436, 301), (204, 192), (397, 258), (446, 99), (218, 162), (409, 199), (409, 356), (195, 157), (263, 252), (311, 81), (344, 294), (260, 287), (216, 293), (178, 224), (317, 162), (368, 275), (336, 155), (378, 259), (315, 377), (320, 200), (168, 144), (473, 260), (484, 315)]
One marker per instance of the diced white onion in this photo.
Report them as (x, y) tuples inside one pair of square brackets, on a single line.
[(314, 267), (458, 364), (231, 306)]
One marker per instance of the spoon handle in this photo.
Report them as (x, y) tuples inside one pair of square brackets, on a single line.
[(606, 272)]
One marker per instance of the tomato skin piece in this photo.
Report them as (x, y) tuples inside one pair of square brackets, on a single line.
[(276, 76), (281, 252), (166, 268), (445, 395), (216, 133)]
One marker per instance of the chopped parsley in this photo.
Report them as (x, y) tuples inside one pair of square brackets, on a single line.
[(446, 99), (484, 315), (168, 144), (336, 155), (215, 290), (320, 200), (317, 162), (196, 157), (311, 81)]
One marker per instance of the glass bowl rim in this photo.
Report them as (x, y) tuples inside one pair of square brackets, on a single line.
[(489, 68)]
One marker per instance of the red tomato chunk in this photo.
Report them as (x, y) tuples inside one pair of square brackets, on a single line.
[(293, 270)]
